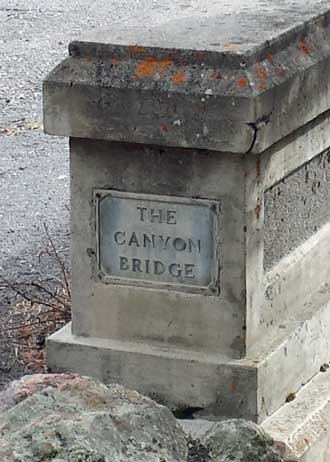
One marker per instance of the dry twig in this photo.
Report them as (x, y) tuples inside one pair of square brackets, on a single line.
[(43, 307)]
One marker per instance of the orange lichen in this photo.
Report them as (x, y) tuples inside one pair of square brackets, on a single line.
[(304, 48), (179, 77), (243, 82), (150, 66), (165, 64), (146, 68), (262, 73)]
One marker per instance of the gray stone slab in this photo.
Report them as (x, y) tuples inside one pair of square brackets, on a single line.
[(213, 86)]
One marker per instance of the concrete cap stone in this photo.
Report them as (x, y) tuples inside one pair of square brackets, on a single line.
[(234, 76)]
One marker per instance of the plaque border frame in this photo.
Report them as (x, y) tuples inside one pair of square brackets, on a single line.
[(212, 289)]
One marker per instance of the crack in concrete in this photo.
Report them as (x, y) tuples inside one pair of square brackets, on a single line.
[(256, 126)]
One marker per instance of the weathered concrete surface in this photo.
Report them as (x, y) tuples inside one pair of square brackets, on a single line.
[(301, 428), (289, 154), (179, 378), (188, 90), (276, 331), (70, 418), (304, 268), (138, 314), (296, 208), (252, 388)]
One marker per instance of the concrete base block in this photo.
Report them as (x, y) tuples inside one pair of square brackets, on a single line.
[(252, 388), (178, 378)]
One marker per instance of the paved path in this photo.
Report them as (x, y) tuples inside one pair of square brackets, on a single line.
[(34, 176)]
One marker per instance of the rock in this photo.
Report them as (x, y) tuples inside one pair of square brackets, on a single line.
[(67, 418), (233, 441)]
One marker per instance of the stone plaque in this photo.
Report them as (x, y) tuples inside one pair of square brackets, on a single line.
[(167, 242)]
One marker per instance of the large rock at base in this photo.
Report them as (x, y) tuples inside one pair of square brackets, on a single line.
[(67, 418), (230, 441)]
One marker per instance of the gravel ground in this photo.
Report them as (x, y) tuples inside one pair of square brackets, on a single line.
[(34, 176)]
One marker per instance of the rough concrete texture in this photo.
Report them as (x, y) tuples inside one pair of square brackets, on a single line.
[(252, 388), (191, 90), (215, 323), (73, 419), (296, 208), (181, 379), (292, 152)]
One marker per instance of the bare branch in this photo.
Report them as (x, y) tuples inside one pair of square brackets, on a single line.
[(33, 301), (24, 326), (56, 297), (62, 266)]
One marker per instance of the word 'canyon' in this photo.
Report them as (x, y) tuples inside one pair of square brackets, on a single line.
[(158, 242)]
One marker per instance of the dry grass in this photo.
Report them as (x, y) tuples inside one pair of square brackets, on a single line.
[(43, 308)]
